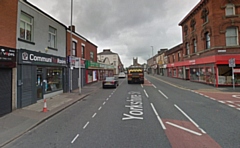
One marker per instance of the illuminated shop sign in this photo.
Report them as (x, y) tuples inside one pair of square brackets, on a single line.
[(30, 57)]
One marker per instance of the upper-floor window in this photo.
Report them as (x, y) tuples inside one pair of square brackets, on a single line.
[(26, 27), (207, 39), (179, 56), (232, 36), (204, 15), (173, 57), (193, 23), (52, 37), (194, 46), (185, 29), (230, 9), (74, 48), (187, 49), (83, 51), (91, 56)]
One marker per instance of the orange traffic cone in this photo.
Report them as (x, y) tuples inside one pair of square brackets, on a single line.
[(45, 106)]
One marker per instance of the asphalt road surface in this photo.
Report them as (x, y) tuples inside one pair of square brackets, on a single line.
[(152, 115)]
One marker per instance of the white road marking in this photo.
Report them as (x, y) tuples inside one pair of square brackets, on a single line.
[(238, 108), (158, 117), (221, 101), (145, 93), (100, 108), (163, 94), (86, 125), (212, 98), (75, 138), (230, 101), (104, 103), (109, 96), (107, 99), (154, 86), (183, 128), (231, 105), (141, 85), (189, 118), (94, 115)]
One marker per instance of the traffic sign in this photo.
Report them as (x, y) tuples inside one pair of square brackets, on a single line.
[(231, 62)]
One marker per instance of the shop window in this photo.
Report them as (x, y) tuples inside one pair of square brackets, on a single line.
[(26, 27), (53, 79), (231, 36), (207, 40), (230, 9)]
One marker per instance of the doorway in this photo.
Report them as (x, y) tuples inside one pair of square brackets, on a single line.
[(39, 83)]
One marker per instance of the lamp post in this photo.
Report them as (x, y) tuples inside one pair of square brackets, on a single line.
[(70, 70), (152, 58)]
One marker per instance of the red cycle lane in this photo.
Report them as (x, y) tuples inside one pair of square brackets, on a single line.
[(184, 134), (231, 99)]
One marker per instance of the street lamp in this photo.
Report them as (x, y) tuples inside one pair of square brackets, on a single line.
[(70, 70)]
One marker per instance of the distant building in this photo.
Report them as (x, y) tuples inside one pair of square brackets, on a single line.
[(112, 58)]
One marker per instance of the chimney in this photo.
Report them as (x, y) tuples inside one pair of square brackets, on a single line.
[(73, 28), (106, 49)]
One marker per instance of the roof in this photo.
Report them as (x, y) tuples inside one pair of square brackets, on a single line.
[(193, 11), (106, 52)]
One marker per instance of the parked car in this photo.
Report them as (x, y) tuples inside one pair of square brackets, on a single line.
[(122, 75), (110, 82)]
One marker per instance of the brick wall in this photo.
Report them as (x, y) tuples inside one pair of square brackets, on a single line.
[(8, 22)]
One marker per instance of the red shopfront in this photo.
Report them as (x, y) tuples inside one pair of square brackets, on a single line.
[(212, 70)]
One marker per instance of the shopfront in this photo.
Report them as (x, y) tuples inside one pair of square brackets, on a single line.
[(91, 71), (39, 76), (7, 63), (214, 70), (104, 71)]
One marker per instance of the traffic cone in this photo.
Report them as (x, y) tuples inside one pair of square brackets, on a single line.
[(45, 106)]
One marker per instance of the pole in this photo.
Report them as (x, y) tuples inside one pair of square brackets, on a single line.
[(70, 71), (233, 79), (80, 77)]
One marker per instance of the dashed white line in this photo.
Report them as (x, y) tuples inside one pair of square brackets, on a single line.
[(163, 94), (100, 108), (94, 115), (75, 138), (158, 117), (189, 118), (107, 99), (221, 101), (154, 86), (104, 103), (238, 108), (183, 128), (86, 125), (141, 85), (145, 93), (212, 98)]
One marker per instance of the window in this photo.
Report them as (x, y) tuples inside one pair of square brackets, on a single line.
[(26, 27), (179, 56), (231, 36), (207, 38), (83, 51), (192, 24), (91, 56), (173, 57), (230, 10), (204, 15), (185, 29), (53, 79), (194, 46), (74, 49), (52, 37), (187, 48)]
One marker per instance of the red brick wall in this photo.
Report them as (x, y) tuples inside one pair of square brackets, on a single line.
[(8, 22), (216, 25), (91, 48)]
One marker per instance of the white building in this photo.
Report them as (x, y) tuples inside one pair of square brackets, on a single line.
[(109, 57)]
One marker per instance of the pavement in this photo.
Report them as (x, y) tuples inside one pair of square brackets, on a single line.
[(20, 121)]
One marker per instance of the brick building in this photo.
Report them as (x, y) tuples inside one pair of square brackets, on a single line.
[(210, 34)]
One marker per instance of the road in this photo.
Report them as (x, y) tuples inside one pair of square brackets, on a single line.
[(155, 114)]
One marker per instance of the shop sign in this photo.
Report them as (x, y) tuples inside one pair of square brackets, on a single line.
[(236, 70), (31, 57), (7, 54), (92, 64), (231, 62)]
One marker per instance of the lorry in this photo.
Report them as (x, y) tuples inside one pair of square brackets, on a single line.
[(135, 74)]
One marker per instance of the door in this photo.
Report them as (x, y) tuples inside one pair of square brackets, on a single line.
[(39, 84)]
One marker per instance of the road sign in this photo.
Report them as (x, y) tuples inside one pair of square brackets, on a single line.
[(231, 62)]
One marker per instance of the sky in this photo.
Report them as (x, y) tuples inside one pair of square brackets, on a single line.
[(130, 28)]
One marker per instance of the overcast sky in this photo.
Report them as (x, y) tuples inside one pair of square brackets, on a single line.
[(127, 27)]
